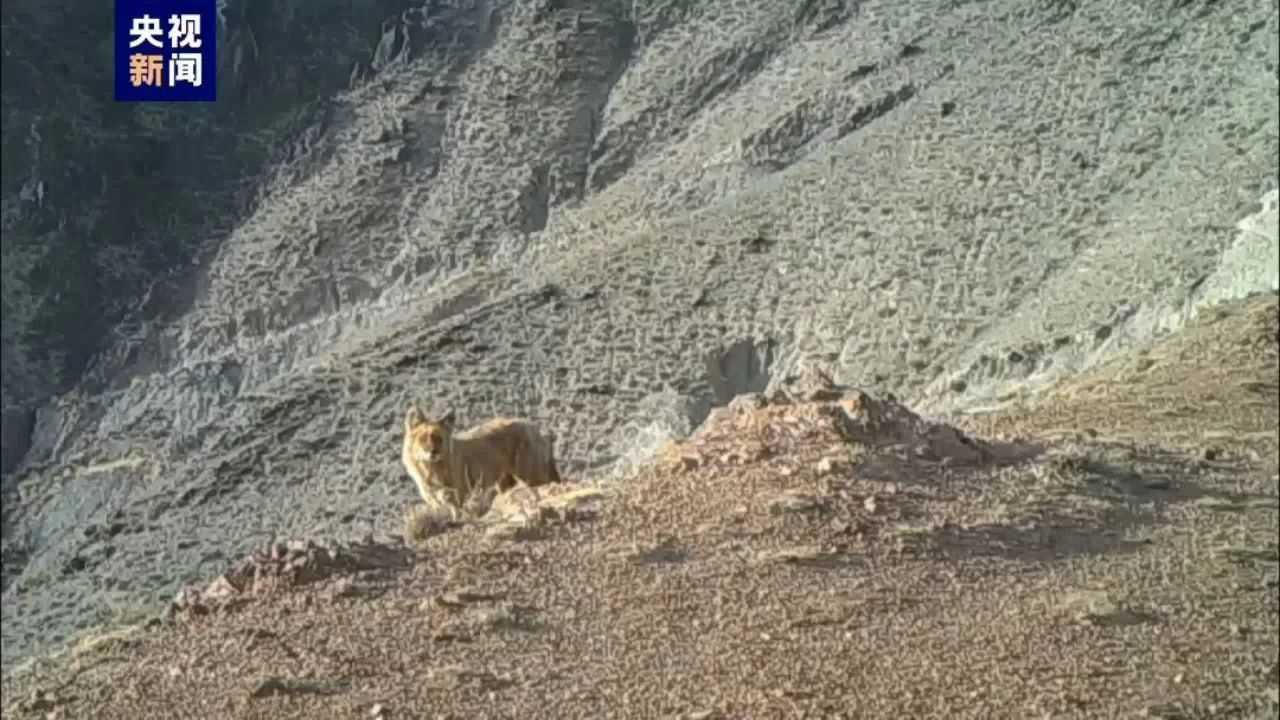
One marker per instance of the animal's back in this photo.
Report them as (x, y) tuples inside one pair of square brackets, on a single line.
[(525, 451), (495, 427)]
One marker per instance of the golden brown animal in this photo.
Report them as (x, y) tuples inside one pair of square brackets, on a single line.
[(449, 466)]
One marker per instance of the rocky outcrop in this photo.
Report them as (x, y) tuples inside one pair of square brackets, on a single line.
[(286, 565), (754, 427)]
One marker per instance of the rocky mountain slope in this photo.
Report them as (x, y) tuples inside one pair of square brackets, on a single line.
[(609, 216), (1106, 549)]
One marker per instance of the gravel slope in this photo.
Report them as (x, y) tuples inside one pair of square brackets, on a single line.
[(1107, 552), (614, 219)]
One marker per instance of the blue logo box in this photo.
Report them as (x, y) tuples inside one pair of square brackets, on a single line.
[(166, 50)]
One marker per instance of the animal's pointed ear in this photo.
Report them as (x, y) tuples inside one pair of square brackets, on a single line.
[(449, 417), (413, 416)]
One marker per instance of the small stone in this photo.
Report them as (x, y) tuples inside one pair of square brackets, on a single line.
[(923, 452), (220, 588), (376, 710), (267, 687), (796, 503), (518, 530), (342, 588), (778, 396), (870, 504), (38, 701), (1177, 679), (800, 555), (747, 401)]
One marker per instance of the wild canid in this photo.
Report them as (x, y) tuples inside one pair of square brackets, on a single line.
[(449, 465)]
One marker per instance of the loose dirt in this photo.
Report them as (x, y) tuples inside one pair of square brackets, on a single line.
[(1105, 549)]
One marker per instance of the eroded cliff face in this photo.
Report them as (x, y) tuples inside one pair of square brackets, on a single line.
[(110, 209), (608, 216)]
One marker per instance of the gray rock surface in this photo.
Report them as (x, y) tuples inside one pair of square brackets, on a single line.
[(110, 210), (613, 216), (1249, 264)]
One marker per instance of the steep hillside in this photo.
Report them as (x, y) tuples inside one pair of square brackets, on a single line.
[(615, 216), (109, 210), (1108, 549)]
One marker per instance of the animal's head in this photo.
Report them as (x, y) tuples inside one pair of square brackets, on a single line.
[(428, 437)]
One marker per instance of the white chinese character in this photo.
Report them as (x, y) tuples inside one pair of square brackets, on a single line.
[(184, 67), (184, 30), (145, 29)]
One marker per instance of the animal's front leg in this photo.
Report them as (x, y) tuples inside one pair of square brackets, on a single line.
[(452, 498), (436, 500)]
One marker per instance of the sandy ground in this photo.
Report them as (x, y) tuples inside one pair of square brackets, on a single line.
[(1106, 549)]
